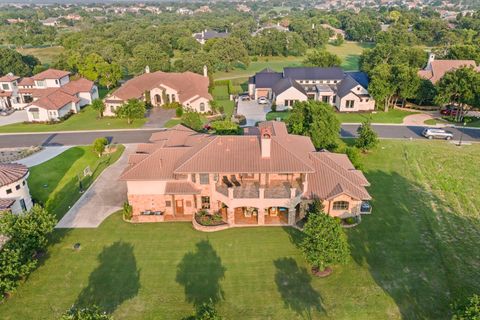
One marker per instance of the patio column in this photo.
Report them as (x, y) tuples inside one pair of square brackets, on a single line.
[(291, 216), (261, 192), (230, 193), (230, 216), (293, 192), (261, 216)]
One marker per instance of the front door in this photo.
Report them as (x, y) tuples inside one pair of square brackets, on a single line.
[(179, 206)]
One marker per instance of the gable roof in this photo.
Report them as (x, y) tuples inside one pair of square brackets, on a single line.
[(8, 78), (266, 79), (50, 74), (437, 68), (313, 73), (77, 86), (285, 84), (360, 77), (210, 34), (346, 86), (55, 100)]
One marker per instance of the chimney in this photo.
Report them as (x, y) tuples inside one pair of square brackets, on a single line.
[(431, 58), (147, 69), (313, 26), (265, 142), (205, 71)]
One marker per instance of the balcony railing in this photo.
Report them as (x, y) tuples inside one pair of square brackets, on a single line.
[(253, 190)]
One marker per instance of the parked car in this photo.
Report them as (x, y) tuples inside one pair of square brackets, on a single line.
[(432, 133), (262, 100), (245, 98), (449, 111)]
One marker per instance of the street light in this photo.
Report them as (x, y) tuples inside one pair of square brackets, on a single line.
[(461, 133)]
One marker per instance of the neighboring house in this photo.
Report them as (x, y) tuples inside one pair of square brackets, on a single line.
[(436, 69), (184, 12), (206, 35), (277, 27), (187, 88), (14, 192), (266, 176), (347, 91), (203, 9), (50, 22), (335, 32), (46, 96)]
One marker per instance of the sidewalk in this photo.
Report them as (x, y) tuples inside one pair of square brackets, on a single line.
[(42, 156)]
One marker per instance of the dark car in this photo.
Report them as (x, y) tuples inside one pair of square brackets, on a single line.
[(449, 111)]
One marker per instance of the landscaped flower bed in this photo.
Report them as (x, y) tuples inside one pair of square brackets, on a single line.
[(206, 218)]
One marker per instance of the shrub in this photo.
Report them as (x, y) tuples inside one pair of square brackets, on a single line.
[(469, 310), (225, 127), (192, 120), (98, 146), (240, 119), (172, 105), (367, 138), (353, 154), (179, 112), (86, 313), (127, 211), (274, 107)]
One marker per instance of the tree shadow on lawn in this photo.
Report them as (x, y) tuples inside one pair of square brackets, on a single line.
[(294, 285), (114, 281), (422, 253), (200, 273)]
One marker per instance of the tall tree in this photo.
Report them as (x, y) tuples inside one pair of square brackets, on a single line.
[(98, 106), (322, 58), (227, 52), (316, 120), (367, 138), (13, 62), (132, 109), (381, 86), (151, 55)]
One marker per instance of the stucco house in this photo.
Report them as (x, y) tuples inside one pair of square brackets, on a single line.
[(46, 96), (187, 88), (264, 177), (14, 192), (436, 69), (206, 35), (347, 91)]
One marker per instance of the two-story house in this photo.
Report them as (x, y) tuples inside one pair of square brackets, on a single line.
[(158, 88), (347, 91), (265, 177)]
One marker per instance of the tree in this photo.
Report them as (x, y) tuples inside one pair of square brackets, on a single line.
[(227, 52), (460, 87), (90, 66), (99, 145), (468, 311), (98, 106), (407, 82), (225, 127), (13, 62), (367, 138), (151, 55), (426, 92), (207, 311), (322, 58), (325, 242), (132, 109), (192, 120), (316, 120), (109, 74), (381, 86), (464, 52), (86, 313), (339, 40)]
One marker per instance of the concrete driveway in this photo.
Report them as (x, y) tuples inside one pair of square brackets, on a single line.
[(16, 117), (157, 117), (253, 111), (105, 196)]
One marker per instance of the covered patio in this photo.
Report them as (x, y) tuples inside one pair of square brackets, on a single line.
[(276, 215), (246, 215)]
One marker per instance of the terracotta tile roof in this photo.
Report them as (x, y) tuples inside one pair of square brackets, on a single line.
[(54, 101), (26, 82), (5, 93), (50, 74), (9, 78), (440, 67), (180, 187), (187, 84), (335, 176), (76, 86), (11, 172), (5, 204)]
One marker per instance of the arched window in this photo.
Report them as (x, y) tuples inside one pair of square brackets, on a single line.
[(202, 106), (340, 205), (158, 99)]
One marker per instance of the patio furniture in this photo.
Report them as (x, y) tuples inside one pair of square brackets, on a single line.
[(234, 180), (226, 182)]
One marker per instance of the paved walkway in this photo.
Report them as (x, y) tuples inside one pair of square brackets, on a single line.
[(44, 155), (16, 117), (105, 196), (157, 117), (252, 111)]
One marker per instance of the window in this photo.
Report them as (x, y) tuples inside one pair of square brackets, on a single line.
[(17, 187), (340, 205), (194, 178), (5, 86), (9, 191), (204, 178), (173, 98), (349, 104), (334, 99), (168, 204), (56, 81), (358, 88), (23, 182), (205, 202), (202, 106), (112, 109), (41, 83), (325, 98), (367, 100), (35, 115), (335, 81)]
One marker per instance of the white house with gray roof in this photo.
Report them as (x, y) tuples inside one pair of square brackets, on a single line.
[(347, 91)]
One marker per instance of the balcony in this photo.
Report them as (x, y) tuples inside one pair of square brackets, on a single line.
[(253, 190)]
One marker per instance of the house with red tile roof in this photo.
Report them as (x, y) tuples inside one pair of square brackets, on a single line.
[(436, 69), (48, 95), (264, 177), (14, 192), (187, 88)]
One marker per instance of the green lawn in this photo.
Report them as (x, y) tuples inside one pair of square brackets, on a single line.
[(221, 95), (410, 259), (470, 122), (392, 116), (86, 119), (349, 52), (55, 183), (46, 55)]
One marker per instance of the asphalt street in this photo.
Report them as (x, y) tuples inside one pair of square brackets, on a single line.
[(137, 136)]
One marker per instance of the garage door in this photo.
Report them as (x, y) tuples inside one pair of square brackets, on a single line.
[(262, 93)]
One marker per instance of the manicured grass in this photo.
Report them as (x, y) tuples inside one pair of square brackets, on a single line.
[(410, 259), (55, 183), (46, 55), (392, 116), (349, 52), (221, 95), (86, 119), (470, 122)]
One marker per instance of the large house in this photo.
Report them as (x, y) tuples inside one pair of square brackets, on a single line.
[(187, 88), (265, 177), (206, 35), (436, 69), (14, 192), (47, 96), (347, 91)]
